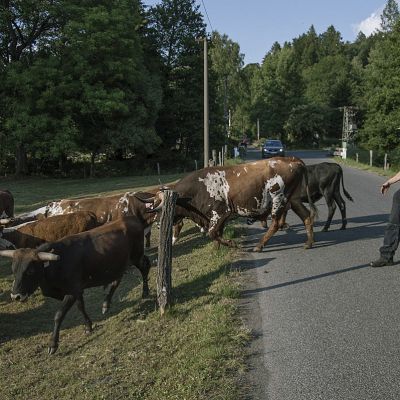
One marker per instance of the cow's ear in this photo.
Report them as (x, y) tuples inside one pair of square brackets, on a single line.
[(183, 201)]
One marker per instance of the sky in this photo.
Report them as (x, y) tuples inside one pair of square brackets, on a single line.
[(256, 24)]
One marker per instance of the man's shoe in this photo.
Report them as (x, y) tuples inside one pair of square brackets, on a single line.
[(381, 262)]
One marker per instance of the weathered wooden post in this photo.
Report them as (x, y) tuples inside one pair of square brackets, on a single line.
[(195, 164), (385, 163), (356, 157), (158, 169), (165, 250), (370, 158)]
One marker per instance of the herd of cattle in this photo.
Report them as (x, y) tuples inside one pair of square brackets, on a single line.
[(73, 244)]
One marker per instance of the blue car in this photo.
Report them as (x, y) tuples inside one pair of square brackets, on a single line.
[(272, 148)]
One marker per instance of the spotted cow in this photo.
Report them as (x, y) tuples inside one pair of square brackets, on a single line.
[(211, 196), (105, 208)]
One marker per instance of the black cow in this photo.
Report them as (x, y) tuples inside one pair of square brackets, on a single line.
[(6, 204), (324, 180), (63, 269)]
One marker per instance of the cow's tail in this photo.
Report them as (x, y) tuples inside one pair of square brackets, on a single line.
[(313, 208), (346, 193)]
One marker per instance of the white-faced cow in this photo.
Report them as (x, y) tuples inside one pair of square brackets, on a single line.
[(213, 195), (6, 204), (34, 233), (106, 208), (324, 180), (65, 268)]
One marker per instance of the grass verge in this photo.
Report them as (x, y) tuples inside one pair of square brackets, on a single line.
[(196, 351), (365, 167)]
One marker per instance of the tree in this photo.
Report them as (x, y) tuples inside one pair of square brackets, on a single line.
[(226, 64), (382, 93), (23, 25), (175, 27), (390, 16), (306, 124)]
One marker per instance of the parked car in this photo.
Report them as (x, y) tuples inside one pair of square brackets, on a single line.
[(272, 148)]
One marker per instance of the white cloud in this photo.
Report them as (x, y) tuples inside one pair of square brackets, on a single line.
[(371, 24)]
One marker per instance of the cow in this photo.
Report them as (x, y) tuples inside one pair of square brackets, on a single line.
[(65, 268), (34, 233), (324, 180), (106, 208), (6, 204), (213, 195)]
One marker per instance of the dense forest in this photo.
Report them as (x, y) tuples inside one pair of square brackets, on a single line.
[(116, 83)]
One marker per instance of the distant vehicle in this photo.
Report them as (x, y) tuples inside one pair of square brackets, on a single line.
[(272, 148)]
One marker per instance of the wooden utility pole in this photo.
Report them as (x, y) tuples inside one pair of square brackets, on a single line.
[(165, 250), (206, 117)]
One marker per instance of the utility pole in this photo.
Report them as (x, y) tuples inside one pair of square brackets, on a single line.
[(349, 129), (206, 117), (258, 129)]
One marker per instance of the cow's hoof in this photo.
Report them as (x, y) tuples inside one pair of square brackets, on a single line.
[(308, 246), (104, 308), (284, 227), (343, 228), (88, 330), (52, 349), (233, 244), (324, 229), (257, 249)]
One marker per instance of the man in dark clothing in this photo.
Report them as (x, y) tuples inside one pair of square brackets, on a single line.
[(392, 231)]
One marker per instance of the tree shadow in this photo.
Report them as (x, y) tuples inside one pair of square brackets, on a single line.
[(252, 292)]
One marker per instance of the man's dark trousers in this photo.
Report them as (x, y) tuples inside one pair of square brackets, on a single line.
[(392, 231)]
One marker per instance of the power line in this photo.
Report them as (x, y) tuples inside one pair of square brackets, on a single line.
[(205, 9)]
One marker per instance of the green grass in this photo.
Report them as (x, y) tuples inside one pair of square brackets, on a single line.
[(195, 351), (366, 167)]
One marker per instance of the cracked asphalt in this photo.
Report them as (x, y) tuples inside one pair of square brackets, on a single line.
[(325, 324)]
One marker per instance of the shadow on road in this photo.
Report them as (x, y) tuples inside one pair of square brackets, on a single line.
[(251, 292)]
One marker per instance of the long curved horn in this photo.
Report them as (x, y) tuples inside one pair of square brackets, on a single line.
[(46, 256), (148, 200), (160, 206), (7, 253), (5, 221)]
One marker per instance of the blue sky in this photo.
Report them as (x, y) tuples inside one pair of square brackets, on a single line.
[(257, 24)]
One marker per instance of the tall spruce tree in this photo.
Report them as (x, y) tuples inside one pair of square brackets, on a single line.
[(390, 16)]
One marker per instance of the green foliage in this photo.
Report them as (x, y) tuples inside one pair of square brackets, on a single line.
[(382, 93), (390, 16)]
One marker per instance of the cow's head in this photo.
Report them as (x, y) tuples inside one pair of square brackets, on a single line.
[(155, 203), (28, 269)]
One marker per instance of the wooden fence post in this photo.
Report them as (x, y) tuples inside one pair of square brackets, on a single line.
[(165, 251), (214, 157), (195, 164), (356, 157), (370, 158), (385, 162), (158, 168)]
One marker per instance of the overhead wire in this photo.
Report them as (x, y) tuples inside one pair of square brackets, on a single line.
[(205, 9)]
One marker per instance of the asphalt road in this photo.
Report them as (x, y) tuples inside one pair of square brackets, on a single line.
[(326, 325)]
